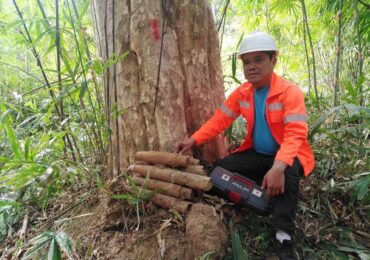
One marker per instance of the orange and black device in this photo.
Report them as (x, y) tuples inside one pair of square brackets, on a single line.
[(239, 189)]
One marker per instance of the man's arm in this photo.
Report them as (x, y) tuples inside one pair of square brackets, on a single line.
[(295, 132), (222, 118), (295, 125)]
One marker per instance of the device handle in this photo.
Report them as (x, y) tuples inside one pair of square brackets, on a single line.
[(246, 182)]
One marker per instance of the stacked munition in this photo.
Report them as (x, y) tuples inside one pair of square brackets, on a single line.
[(174, 176)]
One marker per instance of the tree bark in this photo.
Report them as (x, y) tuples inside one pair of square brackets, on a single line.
[(165, 201), (167, 188), (194, 181), (169, 83), (169, 159)]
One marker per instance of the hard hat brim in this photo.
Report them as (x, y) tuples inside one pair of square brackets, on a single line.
[(257, 50)]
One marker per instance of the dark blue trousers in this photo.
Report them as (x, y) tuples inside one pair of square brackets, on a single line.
[(254, 165)]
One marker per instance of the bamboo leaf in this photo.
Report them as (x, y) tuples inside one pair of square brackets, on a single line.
[(65, 243), (4, 117), (349, 107), (237, 80), (83, 89), (13, 140), (360, 187), (97, 66), (121, 196), (27, 120), (233, 65), (239, 41), (39, 243), (83, 10), (27, 148), (53, 253), (4, 159), (238, 250), (67, 63), (4, 204)]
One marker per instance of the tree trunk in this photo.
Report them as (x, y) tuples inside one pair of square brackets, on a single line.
[(170, 81)]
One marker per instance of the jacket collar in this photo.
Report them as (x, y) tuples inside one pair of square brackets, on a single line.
[(277, 86)]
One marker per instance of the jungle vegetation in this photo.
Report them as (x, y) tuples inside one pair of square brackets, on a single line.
[(54, 138)]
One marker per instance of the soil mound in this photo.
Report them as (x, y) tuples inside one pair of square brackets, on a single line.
[(114, 232), (205, 232)]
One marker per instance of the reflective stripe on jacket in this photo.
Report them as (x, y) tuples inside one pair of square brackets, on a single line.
[(285, 114)]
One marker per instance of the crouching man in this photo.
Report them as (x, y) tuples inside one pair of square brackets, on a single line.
[(275, 152)]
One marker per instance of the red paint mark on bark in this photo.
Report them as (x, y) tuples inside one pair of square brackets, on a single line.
[(155, 30)]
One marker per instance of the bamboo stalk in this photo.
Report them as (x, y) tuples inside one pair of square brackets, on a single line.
[(167, 188), (97, 134), (360, 56), (98, 91), (339, 51), (305, 44), (165, 201), (194, 161), (39, 64), (25, 72), (59, 74), (88, 54), (179, 177), (196, 169), (118, 152), (36, 55), (65, 61), (23, 232), (304, 12), (170, 159), (106, 84)]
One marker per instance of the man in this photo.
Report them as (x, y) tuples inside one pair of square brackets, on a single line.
[(275, 152)]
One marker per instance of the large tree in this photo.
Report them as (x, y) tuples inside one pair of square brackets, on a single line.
[(170, 81)]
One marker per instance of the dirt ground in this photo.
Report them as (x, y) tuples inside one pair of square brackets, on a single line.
[(114, 232), (105, 228)]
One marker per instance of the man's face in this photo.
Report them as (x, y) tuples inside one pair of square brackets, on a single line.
[(258, 67)]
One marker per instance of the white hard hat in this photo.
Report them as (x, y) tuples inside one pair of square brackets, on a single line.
[(257, 41)]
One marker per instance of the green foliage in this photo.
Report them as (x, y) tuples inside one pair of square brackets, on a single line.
[(42, 154), (32, 164), (283, 19), (9, 215), (345, 122), (338, 135), (138, 194), (206, 256), (346, 249), (359, 188), (239, 252), (50, 245), (45, 152), (236, 132)]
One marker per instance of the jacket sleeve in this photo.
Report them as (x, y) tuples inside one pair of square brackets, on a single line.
[(222, 118), (295, 125)]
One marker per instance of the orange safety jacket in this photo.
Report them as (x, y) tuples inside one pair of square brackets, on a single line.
[(286, 117)]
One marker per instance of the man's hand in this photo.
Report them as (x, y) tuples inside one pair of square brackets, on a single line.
[(274, 179), (185, 145)]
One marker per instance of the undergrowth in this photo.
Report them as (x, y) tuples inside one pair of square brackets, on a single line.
[(333, 214), (54, 139)]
